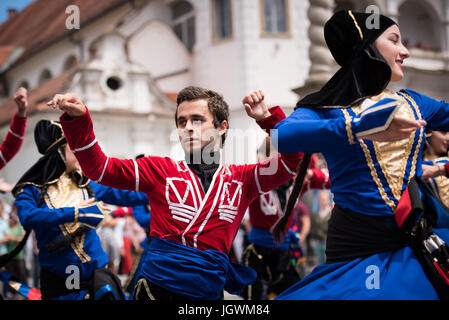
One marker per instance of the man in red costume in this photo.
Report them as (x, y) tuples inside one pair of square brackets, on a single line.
[(197, 204)]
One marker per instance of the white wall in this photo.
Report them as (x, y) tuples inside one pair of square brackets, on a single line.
[(159, 51)]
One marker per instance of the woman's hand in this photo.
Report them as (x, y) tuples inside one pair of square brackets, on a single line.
[(400, 128), (433, 171)]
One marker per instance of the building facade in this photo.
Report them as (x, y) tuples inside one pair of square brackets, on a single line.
[(129, 58)]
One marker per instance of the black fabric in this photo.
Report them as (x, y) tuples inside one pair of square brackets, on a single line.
[(275, 272), (49, 138), (53, 286), (282, 193), (281, 226), (101, 278), (353, 235), (204, 171), (364, 72), (157, 293)]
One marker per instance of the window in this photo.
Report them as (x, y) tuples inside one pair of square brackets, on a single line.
[(275, 16), (70, 62), (183, 23), (24, 84), (419, 27), (222, 19), (45, 75)]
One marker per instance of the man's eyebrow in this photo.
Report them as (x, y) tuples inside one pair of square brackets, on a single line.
[(198, 115), (194, 116)]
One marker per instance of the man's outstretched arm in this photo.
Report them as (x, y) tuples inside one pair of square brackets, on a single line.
[(78, 130)]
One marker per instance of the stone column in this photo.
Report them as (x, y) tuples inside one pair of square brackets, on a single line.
[(322, 65)]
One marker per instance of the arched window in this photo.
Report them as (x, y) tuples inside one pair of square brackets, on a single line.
[(69, 63), (183, 22), (419, 26), (45, 75), (24, 84)]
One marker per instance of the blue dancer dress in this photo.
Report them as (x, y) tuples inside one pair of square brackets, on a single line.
[(367, 178), (58, 215)]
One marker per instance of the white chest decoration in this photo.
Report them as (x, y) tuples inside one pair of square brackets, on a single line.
[(230, 200), (180, 205), (269, 203)]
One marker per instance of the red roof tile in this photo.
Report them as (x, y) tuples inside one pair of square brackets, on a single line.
[(42, 22), (172, 96)]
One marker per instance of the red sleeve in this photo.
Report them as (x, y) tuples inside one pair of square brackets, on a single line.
[(13, 140), (127, 174), (272, 172), (446, 167), (122, 212), (319, 180)]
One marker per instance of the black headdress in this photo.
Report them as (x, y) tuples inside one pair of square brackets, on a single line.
[(364, 72), (49, 139)]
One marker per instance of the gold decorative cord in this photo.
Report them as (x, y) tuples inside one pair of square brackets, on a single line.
[(356, 24), (376, 179), (348, 126)]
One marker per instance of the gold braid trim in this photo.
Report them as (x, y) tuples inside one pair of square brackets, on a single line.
[(376, 179), (348, 126), (356, 24), (395, 184), (418, 146)]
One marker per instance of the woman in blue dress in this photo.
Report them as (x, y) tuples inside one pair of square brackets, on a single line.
[(372, 139), (64, 209)]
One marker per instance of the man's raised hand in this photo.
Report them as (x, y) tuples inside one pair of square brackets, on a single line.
[(255, 105), (21, 99), (68, 103)]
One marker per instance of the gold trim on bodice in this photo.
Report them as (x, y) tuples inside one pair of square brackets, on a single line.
[(392, 156), (66, 193)]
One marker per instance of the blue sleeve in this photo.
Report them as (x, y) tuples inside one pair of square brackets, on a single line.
[(142, 216), (435, 112), (118, 197), (311, 131), (306, 131), (32, 217)]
